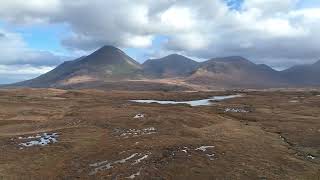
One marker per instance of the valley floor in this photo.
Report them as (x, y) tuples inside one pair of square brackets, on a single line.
[(90, 134)]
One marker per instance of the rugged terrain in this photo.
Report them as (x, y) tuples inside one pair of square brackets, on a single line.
[(106, 64), (101, 135), (109, 68), (236, 72), (170, 67), (303, 75)]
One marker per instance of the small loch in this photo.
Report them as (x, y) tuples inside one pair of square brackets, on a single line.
[(201, 102)]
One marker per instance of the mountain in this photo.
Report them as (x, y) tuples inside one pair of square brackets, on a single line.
[(109, 68), (106, 64), (235, 72), (170, 66), (304, 75)]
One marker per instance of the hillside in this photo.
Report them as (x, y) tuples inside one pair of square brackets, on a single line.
[(236, 72), (173, 65), (106, 64), (304, 75), (109, 68)]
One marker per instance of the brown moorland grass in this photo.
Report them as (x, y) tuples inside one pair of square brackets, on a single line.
[(99, 138)]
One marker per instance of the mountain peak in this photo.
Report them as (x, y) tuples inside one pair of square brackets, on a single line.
[(170, 66), (171, 57), (108, 55), (107, 49), (174, 56)]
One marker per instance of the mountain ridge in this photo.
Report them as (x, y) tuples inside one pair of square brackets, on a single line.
[(106, 63), (173, 65), (304, 75), (110, 64)]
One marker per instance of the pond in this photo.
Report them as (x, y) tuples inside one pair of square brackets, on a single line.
[(201, 102)]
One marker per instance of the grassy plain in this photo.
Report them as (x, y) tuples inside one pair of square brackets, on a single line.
[(99, 138)]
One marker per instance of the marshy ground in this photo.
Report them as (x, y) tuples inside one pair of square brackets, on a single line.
[(103, 135)]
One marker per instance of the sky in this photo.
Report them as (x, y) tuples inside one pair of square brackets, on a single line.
[(37, 35)]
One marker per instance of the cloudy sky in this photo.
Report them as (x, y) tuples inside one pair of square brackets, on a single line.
[(37, 35)]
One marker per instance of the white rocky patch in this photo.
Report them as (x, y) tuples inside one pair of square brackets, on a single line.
[(139, 116), (294, 101), (30, 137), (311, 157), (138, 132), (185, 150), (134, 175), (40, 140), (204, 148), (106, 165), (235, 110), (210, 154), (140, 159), (98, 163)]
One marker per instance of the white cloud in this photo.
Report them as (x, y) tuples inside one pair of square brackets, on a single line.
[(139, 41), (19, 62), (31, 11), (268, 7), (16, 73), (177, 18), (14, 50), (271, 31), (23, 70)]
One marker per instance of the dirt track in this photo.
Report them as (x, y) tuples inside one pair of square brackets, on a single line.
[(278, 138)]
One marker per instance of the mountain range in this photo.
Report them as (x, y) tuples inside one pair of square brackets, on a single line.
[(110, 68)]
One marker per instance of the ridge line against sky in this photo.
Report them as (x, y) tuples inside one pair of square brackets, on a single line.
[(37, 35)]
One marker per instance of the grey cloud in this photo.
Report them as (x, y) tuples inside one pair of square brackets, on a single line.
[(266, 31)]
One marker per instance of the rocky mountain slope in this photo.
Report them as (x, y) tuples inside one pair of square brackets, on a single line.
[(106, 64), (170, 66), (110, 68), (304, 75), (236, 72)]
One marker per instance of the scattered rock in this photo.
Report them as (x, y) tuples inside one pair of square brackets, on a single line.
[(210, 154), (126, 133), (39, 140), (204, 148), (139, 116), (106, 165), (311, 157), (235, 110), (134, 175)]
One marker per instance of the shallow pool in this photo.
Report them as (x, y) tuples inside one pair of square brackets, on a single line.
[(201, 102)]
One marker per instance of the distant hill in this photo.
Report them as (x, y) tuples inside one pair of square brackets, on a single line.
[(173, 65), (111, 69), (236, 71), (304, 75), (106, 64)]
